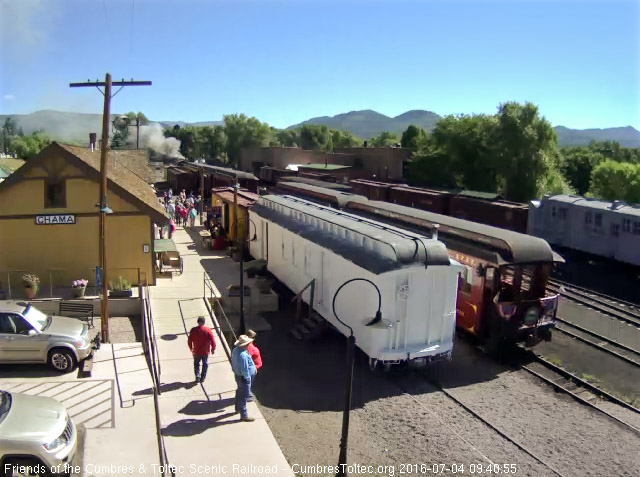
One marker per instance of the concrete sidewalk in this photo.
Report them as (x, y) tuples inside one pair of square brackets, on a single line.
[(198, 420)]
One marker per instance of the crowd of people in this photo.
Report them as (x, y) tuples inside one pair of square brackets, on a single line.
[(183, 209)]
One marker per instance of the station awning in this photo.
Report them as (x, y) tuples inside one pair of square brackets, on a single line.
[(164, 245)]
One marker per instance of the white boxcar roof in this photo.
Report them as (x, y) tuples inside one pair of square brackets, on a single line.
[(348, 235), (617, 206)]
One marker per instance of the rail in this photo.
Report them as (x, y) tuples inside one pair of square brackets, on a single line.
[(153, 360)]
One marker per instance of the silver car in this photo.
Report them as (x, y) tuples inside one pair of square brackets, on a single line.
[(27, 335), (37, 436)]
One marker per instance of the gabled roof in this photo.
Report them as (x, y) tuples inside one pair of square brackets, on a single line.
[(120, 179), (245, 198)]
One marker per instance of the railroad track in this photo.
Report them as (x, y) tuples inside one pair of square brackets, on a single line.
[(460, 403), (576, 387), (620, 309), (596, 340)]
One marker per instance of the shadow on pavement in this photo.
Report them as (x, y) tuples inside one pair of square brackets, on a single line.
[(166, 388), (201, 407), (191, 427)]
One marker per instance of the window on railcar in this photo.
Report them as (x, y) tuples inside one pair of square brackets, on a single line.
[(562, 213), (636, 228), (598, 221), (588, 218), (466, 279), (626, 225), (615, 230)]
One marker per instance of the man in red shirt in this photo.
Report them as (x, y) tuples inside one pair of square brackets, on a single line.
[(253, 350), (201, 343)]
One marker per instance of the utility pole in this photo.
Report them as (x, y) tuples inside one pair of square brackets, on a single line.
[(104, 209), (137, 132)]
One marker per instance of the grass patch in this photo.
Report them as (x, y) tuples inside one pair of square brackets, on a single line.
[(555, 360), (590, 378)]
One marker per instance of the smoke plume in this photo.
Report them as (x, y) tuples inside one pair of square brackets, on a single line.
[(151, 136)]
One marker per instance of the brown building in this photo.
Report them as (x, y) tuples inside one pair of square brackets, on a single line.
[(381, 163)]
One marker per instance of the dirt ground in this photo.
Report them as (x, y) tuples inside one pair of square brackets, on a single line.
[(300, 391)]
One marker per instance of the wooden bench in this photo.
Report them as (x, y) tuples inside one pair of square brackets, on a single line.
[(83, 309)]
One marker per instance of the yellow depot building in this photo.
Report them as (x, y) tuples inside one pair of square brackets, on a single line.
[(49, 220)]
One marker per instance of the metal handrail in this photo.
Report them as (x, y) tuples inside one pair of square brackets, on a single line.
[(151, 353), (208, 283)]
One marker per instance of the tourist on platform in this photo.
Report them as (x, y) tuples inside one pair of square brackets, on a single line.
[(193, 213), (171, 209), (254, 352), (201, 343), (244, 371), (178, 213), (184, 213), (172, 227)]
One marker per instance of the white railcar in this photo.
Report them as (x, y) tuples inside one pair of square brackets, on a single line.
[(302, 241), (607, 229)]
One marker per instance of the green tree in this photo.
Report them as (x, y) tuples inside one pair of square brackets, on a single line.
[(344, 139), (316, 137), (384, 139), (133, 116), (27, 147), (577, 165), (431, 167), (470, 144), (613, 180), (412, 137), (526, 144), (287, 138), (242, 131)]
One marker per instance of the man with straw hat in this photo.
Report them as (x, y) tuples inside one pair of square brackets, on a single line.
[(244, 370)]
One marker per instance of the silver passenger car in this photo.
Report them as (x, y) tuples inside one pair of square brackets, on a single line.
[(28, 335)]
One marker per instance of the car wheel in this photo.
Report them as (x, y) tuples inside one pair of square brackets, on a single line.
[(23, 468), (62, 360)]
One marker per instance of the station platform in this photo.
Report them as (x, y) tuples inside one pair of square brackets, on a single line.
[(202, 433)]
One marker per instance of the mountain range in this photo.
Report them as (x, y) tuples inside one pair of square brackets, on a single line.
[(68, 126)]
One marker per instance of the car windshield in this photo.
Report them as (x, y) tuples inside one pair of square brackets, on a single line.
[(5, 404), (34, 316)]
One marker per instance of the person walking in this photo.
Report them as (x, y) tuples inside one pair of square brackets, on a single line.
[(201, 343), (254, 352), (193, 213), (244, 370)]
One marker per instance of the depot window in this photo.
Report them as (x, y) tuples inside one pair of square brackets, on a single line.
[(55, 194)]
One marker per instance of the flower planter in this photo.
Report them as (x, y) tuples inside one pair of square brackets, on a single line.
[(30, 292), (78, 292), (120, 293)]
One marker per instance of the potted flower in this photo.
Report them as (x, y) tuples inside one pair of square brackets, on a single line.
[(79, 287), (120, 288), (31, 284)]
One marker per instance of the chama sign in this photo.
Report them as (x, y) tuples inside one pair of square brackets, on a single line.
[(55, 219)]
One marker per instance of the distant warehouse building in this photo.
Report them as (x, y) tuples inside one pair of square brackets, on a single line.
[(49, 219)]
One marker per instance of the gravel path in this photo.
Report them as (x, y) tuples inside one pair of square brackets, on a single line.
[(301, 390)]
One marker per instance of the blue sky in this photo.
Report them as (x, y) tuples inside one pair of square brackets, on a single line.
[(287, 61)]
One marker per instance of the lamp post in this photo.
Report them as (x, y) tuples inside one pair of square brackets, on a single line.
[(351, 345)]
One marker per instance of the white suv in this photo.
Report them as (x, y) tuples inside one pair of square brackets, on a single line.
[(27, 335), (37, 436)]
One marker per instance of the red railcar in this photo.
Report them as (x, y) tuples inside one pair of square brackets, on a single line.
[(496, 212), (371, 189), (423, 199), (502, 289), (335, 197)]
